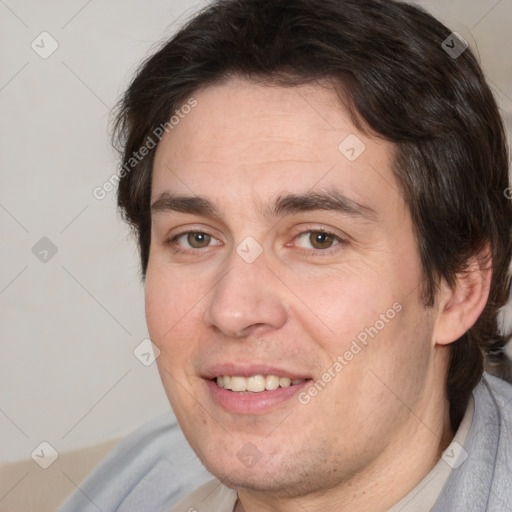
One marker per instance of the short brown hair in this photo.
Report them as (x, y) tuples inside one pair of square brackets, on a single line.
[(388, 61)]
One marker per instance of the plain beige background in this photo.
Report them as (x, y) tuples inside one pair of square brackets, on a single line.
[(70, 321)]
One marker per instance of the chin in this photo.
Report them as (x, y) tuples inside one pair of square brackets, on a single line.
[(273, 476), (260, 480)]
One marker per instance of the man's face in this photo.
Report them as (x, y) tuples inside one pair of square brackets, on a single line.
[(280, 285)]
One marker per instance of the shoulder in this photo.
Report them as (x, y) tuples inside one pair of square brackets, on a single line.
[(492, 438), (150, 469), (493, 406), (481, 478), (500, 390)]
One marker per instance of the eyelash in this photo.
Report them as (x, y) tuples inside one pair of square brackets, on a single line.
[(178, 249), (321, 252), (309, 252)]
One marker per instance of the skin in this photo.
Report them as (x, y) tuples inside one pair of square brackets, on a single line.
[(380, 425)]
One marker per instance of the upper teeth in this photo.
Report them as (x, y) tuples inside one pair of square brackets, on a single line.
[(256, 383)]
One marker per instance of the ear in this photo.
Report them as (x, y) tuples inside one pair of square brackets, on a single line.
[(460, 306)]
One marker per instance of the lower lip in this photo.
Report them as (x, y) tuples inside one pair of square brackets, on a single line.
[(252, 403)]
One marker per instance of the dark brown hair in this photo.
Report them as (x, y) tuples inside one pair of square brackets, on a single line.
[(388, 62)]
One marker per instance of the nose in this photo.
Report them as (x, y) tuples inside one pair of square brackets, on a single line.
[(247, 300)]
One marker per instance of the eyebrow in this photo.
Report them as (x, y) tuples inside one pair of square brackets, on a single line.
[(281, 206)]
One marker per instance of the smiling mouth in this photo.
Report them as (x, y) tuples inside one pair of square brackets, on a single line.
[(255, 383)]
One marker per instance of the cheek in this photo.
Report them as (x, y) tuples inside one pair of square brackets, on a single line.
[(393, 363), (379, 335), (335, 310), (169, 304)]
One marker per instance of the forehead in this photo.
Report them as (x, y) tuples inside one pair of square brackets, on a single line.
[(244, 139)]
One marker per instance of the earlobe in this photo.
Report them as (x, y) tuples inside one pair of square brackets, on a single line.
[(460, 306)]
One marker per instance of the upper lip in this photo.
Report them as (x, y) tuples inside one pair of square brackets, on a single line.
[(220, 370)]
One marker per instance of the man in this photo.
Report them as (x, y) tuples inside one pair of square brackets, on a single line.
[(318, 190)]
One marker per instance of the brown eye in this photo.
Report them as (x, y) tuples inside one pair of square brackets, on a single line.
[(192, 242), (318, 241), (321, 240), (198, 240)]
